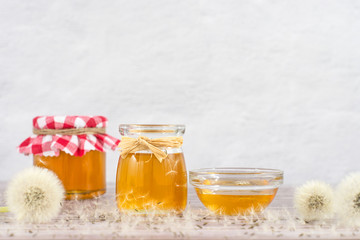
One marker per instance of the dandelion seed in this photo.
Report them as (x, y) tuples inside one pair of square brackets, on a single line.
[(348, 199), (35, 195), (314, 201), (171, 172)]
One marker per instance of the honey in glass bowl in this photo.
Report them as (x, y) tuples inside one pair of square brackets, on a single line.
[(236, 191), (144, 183)]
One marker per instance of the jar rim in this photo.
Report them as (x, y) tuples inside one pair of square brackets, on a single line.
[(152, 128), (151, 125)]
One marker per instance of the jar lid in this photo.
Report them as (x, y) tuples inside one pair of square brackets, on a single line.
[(71, 141), (66, 122)]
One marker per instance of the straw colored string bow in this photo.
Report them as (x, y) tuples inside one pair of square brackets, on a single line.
[(132, 145)]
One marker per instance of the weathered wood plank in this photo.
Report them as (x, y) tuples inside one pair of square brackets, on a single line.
[(94, 219)]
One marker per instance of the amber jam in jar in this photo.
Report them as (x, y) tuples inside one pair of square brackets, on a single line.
[(73, 148), (83, 177), (146, 182)]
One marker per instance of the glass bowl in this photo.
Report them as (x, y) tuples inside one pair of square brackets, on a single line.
[(236, 191)]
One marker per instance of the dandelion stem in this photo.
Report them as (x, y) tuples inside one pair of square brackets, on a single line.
[(4, 209)]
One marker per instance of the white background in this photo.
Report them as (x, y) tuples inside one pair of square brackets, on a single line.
[(258, 83)]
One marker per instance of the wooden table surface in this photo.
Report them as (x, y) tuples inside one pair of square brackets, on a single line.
[(99, 219)]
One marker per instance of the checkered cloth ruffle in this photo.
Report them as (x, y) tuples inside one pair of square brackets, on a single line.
[(75, 145)]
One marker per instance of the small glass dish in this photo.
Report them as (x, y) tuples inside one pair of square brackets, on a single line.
[(236, 191)]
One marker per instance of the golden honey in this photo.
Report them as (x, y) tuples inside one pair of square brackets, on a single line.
[(144, 183), (83, 177), (237, 202)]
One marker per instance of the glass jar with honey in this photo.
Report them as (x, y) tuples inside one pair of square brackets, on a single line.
[(73, 147), (151, 174)]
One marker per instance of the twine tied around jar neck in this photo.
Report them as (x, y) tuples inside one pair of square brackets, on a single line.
[(132, 145), (69, 131)]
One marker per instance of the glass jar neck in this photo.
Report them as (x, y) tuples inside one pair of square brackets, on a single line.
[(151, 130)]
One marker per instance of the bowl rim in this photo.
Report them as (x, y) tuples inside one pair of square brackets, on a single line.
[(236, 171)]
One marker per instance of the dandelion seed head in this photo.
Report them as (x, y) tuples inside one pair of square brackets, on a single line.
[(34, 195), (348, 199), (314, 201)]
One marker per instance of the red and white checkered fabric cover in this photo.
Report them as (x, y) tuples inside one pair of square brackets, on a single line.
[(75, 145)]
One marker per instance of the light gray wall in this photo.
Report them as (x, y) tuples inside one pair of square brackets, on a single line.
[(259, 83)]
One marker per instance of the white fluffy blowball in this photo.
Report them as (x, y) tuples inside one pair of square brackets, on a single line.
[(348, 199), (34, 195), (314, 201)]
